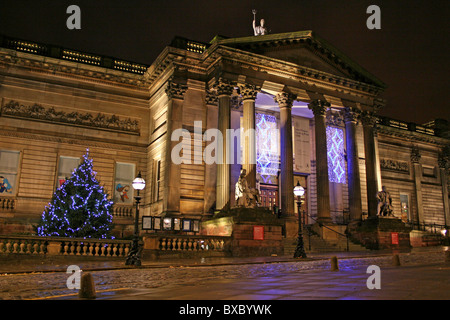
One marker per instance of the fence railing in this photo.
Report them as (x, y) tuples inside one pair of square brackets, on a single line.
[(428, 227)]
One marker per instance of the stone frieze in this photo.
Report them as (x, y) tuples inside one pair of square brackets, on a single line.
[(37, 112)]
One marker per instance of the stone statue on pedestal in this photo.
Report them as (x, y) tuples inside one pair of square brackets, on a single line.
[(384, 203), (246, 197)]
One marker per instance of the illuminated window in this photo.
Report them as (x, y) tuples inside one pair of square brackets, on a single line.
[(267, 152), (124, 176), (335, 153), (9, 163), (65, 169)]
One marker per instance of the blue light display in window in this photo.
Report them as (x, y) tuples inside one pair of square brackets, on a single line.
[(335, 153), (267, 154)]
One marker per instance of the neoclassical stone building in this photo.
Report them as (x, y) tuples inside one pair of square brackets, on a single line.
[(313, 109)]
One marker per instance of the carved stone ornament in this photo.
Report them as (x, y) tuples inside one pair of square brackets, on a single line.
[(335, 119), (222, 87), (351, 114), (37, 112), (175, 90), (285, 99), (368, 119), (415, 154), (319, 107), (248, 91), (394, 165)]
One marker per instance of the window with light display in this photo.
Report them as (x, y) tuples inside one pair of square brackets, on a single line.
[(335, 154), (267, 152)]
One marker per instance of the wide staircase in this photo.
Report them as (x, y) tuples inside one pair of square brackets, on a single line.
[(314, 243)]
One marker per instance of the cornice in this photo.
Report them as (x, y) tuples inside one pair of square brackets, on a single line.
[(56, 67), (411, 136)]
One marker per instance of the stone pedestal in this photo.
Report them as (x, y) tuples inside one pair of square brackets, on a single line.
[(253, 232), (381, 233)]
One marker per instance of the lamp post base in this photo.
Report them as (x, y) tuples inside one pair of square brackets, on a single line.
[(134, 256)]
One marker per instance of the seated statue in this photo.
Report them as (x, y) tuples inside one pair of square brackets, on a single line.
[(246, 197), (385, 207)]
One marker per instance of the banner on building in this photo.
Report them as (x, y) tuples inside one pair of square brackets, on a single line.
[(302, 149)]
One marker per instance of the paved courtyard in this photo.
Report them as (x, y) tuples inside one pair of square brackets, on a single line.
[(422, 275)]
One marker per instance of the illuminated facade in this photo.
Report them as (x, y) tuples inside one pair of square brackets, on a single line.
[(314, 111)]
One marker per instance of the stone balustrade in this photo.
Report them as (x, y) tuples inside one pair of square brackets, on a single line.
[(34, 245), (183, 243)]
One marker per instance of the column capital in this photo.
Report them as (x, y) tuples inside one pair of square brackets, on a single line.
[(211, 97), (175, 90), (284, 99), (368, 119), (249, 91), (222, 87), (319, 107), (351, 114), (415, 154)]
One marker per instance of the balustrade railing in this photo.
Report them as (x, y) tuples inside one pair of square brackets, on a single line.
[(63, 246), (184, 243)]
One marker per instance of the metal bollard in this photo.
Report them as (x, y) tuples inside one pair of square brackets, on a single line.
[(87, 287), (396, 260), (334, 264)]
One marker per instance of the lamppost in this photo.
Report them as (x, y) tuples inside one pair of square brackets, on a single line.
[(299, 191), (134, 256)]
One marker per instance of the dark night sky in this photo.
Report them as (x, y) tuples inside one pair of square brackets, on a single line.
[(410, 53)]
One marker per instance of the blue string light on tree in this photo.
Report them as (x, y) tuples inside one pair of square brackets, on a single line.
[(79, 207)]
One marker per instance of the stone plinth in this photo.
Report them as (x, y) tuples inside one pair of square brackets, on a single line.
[(381, 233), (253, 232)]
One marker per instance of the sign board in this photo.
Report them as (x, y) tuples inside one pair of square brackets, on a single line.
[(394, 237), (258, 232)]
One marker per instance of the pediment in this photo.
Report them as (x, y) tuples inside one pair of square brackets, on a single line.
[(305, 49)]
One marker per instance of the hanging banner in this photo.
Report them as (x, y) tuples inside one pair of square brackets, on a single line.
[(302, 149)]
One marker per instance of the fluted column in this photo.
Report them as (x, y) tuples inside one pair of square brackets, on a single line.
[(319, 108), (249, 93), (368, 122), (223, 90), (443, 162), (417, 173), (285, 101), (175, 93), (354, 181)]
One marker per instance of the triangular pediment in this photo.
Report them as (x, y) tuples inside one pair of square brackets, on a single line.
[(305, 49)]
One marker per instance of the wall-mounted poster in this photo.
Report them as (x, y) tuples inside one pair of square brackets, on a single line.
[(147, 223)]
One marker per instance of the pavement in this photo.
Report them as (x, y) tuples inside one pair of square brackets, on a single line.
[(424, 274)]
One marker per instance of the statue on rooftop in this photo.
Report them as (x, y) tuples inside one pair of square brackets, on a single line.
[(260, 30)]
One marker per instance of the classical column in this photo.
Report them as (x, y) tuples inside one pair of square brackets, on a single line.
[(249, 93), (212, 118), (368, 122), (417, 173), (224, 90), (319, 108), (175, 93), (443, 160), (285, 101), (354, 182)]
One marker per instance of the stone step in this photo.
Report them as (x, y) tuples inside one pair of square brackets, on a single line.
[(320, 245)]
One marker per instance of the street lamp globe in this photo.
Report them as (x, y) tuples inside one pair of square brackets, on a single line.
[(138, 183), (299, 191)]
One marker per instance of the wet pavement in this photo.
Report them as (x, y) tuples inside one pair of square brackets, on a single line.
[(423, 274)]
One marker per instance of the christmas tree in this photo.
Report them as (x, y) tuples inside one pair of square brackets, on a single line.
[(79, 208)]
